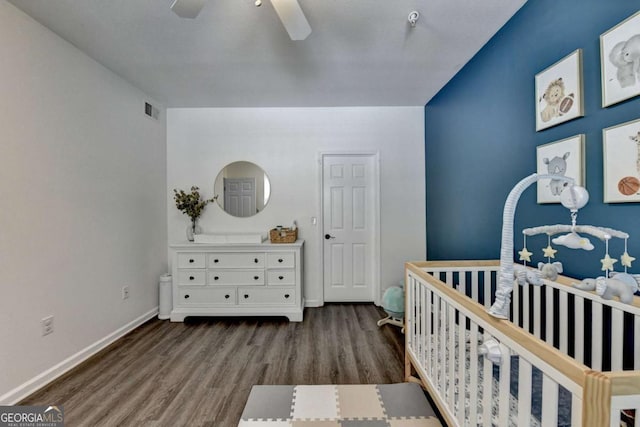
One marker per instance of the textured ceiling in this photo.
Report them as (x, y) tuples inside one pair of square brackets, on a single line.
[(360, 52)]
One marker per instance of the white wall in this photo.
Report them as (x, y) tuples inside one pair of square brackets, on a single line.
[(286, 143), (83, 204)]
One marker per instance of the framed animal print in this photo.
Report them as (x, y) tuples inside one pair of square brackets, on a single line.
[(559, 92), (565, 158), (621, 144), (620, 61)]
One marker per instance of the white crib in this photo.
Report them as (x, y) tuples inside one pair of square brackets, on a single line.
[(569, 363)]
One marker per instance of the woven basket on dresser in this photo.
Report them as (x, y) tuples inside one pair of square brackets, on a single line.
[(284, 235)]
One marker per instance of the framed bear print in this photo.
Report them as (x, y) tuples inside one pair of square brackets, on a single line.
[(620, 61), (559, 92), (621, 144), (564, 157)]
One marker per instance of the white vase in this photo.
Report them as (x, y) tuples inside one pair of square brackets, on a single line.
[(193, 229)]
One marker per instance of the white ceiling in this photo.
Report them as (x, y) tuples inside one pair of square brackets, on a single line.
[(360, 52)]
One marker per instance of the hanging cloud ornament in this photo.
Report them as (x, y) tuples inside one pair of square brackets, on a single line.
[(574, 241)]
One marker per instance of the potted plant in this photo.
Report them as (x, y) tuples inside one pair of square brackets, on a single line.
[(191, 204)]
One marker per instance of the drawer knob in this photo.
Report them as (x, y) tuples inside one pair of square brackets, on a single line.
[(191, 260), (186, 296), (255, 260), (280, 277), (246, 296), (215, 260), (286, 295), (280, 259), (215, 277), (227, 296), (256, 277), (192, 278)]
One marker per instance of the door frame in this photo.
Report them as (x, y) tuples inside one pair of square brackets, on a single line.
[(375, 238)]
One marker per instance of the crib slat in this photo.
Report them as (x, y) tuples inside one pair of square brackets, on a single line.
[(461, 364), (576, 411), (579, 328), (564, 322), (473, 375), (429, 331), (451, 375), (617, 327), (636, 353), (548, 296), (596, 334), (474, 285), (420, 324), (525, 310), (536, 311), (487, 387), (549, 402), (505, 381), (515, 304), (435, 355), (462, 283), (487, 288), (524, 392), (442, 362)]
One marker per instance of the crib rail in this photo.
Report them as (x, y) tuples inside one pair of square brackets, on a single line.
[(446, 320)]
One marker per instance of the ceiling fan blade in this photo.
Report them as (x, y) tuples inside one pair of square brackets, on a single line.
[(292, 18), (187, 8)]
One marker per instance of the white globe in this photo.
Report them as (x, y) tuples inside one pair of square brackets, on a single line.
[(574, 197)]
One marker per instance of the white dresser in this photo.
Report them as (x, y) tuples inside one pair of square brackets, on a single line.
[(237, 280)]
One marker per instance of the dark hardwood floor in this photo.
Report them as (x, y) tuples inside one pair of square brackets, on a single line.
[(199, 373)]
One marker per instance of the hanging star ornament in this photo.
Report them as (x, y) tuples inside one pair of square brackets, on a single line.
[(607, 263), (525, 255), (549, 252), (626, 259)]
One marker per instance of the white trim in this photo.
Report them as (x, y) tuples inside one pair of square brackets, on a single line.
[(375, 154), (25, 389), (313, 303)]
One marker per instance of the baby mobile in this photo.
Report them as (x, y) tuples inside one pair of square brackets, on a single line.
[(620, 284)]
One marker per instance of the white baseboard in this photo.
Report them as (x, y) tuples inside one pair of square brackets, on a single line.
[(17, 394), (313, 303)]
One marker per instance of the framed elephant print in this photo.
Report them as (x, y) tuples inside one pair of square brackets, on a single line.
[(620, 61), (559, 92), (564, 157)]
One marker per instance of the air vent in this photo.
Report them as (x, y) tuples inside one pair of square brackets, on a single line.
[(151, 111)]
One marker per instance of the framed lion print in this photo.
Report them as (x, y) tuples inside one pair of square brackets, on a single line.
[(559, 92)]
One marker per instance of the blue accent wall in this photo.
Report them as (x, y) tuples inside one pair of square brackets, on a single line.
[(480, 138)]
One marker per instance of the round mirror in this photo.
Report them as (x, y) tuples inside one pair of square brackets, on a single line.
[(242, 189)]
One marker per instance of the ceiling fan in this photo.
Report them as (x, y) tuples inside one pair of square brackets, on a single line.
[(289, 12)]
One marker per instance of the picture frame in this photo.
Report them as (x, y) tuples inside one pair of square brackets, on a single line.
[(563, 157), (559, 92), (620, 61), (621, 158)]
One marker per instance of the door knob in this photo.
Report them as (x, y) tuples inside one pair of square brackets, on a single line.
[(329, 236)]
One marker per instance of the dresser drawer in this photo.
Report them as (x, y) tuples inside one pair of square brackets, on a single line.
[(235, 277), (191, 277), (191, 260), (206, 296), (278, 296), (281, 260), (236, 260), (281, 277)]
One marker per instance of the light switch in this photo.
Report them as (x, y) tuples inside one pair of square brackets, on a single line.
[(314, 220)]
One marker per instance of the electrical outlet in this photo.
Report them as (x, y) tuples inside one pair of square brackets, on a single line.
[(125, 292), (47, 325)]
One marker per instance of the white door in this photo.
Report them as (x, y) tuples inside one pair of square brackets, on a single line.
[(240, 196), (349, 223)]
